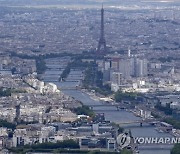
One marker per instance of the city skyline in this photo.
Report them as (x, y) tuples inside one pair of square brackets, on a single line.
[(63, 88)]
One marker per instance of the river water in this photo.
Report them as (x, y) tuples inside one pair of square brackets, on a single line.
[(110, 113)]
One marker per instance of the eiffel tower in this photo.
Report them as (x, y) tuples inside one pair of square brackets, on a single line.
[(102, 42)]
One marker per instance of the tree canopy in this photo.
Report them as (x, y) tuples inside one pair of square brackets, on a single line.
[(176, 149), (119, 96)]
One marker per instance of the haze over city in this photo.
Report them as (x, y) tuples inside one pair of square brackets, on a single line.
[(90, 76)]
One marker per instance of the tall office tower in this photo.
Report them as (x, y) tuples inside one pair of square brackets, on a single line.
[(125, 68), (129, 52), (106, 71), (102, 41), (141, 67), (132, 66), (117, 78), (115, 64), (17, 113), (107, 65)]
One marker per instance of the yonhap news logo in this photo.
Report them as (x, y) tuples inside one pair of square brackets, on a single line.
[(124, 140)]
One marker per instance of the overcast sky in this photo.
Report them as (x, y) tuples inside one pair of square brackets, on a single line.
[(92, 2)]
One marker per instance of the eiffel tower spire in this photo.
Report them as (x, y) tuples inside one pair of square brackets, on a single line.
[(102, 41)]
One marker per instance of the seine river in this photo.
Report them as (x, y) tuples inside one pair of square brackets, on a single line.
[(110, 113)]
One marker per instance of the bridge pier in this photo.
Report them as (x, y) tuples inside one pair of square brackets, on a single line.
[(141, 124)]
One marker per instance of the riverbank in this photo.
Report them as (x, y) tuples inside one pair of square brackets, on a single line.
[(111, 113)]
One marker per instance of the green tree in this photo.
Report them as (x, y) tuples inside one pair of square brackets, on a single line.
[(40, 65), (4, 123), (125, 151), (84, 110), (71, 144), (119, 96), (175, 123), (167, 110), (5, 92), (176, 149)]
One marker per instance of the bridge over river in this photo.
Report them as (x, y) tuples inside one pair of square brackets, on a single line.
[(141, 121), (106, 107)]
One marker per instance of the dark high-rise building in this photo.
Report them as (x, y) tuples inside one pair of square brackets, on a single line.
[(17, 113), (102, 42)]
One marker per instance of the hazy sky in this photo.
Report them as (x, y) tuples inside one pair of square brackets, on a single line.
[(94, 3)]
